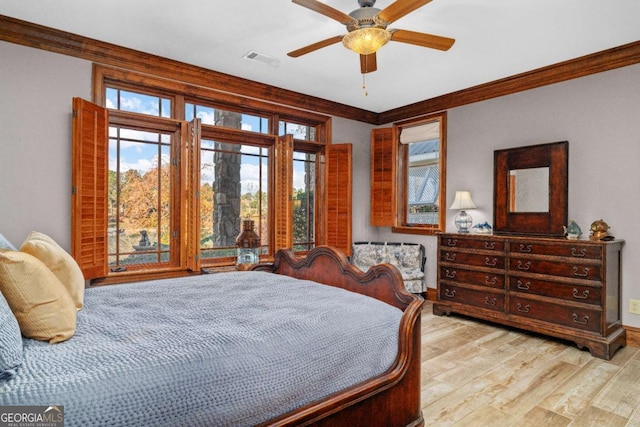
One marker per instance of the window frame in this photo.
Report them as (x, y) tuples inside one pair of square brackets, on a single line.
[(182, 93), (175, 128), (402, 177), (229, 135)]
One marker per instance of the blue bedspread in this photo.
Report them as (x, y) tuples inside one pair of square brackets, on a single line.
[(228, 349)]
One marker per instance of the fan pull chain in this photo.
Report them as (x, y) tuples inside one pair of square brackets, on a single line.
[(364, 85)]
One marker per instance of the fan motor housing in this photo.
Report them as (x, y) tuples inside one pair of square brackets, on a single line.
[(366, 17)]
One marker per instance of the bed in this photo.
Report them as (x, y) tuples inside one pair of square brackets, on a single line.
[(271, 346)]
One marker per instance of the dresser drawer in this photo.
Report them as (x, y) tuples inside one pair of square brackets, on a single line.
[(571, 250), (565, 291), (467, 296), (559, 314), (481, 278), (468, 243), (480, 260), (565, 269)]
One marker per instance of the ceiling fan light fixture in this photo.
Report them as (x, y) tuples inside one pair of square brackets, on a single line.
[(366, 41)]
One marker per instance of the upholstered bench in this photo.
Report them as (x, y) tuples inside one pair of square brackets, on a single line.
[(409, 258)]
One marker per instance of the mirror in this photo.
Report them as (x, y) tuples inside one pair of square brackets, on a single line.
[(530, 189)]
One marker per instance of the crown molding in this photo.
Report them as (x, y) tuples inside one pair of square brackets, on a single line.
[(53, 40), (37, 36), (598, 62)]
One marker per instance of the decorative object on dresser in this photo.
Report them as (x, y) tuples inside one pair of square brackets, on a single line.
[(572, 230), (599, 229), (568, 289), (462, 202)]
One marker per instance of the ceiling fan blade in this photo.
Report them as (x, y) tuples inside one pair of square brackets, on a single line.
[(422, 39), (400, 8), (326, 10), (368, 63), (315, 46)]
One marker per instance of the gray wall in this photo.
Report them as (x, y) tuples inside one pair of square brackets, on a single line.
[(36, 88), (599, 115)]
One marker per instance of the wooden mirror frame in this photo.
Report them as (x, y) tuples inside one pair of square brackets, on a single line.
[(553, 155)]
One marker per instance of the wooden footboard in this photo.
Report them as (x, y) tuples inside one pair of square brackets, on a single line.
[(391, 399)]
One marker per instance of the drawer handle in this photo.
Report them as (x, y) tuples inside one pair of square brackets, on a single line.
[(583, 321), (451, 274), (524, 309), (525, 248), (585, 272), (450, 257), (525, 267), (491, 262), (490, 280), (489, 245), (580, 253), (452, 242), (490, 301), (523, 286), (450, 293), (585, 294)]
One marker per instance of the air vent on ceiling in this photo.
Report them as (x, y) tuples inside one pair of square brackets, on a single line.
[(258, 57)]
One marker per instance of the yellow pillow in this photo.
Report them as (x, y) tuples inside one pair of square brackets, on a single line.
[(59, 262), (41, 304)]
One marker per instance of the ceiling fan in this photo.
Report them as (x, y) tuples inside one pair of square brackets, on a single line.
[(368, 31)]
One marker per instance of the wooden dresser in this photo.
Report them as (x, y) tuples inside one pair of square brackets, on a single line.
[(568, 289)]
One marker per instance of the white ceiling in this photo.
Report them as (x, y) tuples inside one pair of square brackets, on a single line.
[(494, 39)]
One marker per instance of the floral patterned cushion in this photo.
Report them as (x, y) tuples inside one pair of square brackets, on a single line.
[(407, 258), (367, 255)]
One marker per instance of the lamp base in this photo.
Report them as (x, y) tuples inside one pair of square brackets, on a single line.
[(463, 222)]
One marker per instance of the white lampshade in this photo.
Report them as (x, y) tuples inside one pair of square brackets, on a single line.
[(463, 201)]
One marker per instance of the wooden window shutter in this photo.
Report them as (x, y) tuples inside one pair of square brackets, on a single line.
[(282, 199), (89, 180), (383, 178), (338, 190), (192, 146)]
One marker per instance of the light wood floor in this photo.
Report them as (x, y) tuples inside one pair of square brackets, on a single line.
[(478, 374)]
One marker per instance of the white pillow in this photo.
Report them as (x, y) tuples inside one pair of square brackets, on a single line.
[(59, 262), (41, 304)]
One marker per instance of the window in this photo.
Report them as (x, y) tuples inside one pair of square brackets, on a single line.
[(234, 183), (232, 119), (304, 183), (420, 146), (136, 102), (181, 172), (304, 177), (234, 179), (408, 180), (140, 212)]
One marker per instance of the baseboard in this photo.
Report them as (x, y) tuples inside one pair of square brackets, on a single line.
[(633, 336), (432, 295)]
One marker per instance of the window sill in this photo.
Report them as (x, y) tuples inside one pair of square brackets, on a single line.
[(416, 229), (140, 275)]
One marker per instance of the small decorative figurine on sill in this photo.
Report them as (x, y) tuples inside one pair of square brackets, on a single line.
[(599, 229), (572, 231)]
